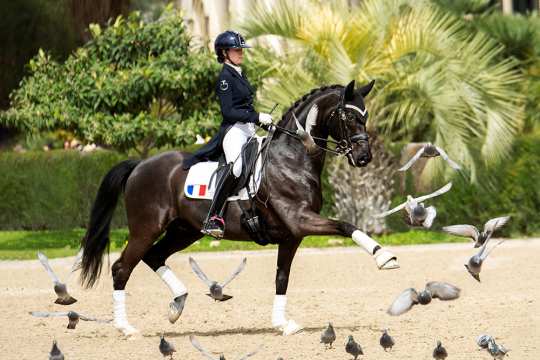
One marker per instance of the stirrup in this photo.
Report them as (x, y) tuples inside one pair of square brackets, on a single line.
[(216, 231)]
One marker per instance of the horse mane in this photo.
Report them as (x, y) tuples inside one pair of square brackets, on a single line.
[(306, 98)]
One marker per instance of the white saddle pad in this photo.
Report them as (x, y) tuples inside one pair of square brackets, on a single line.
[(198, 184)]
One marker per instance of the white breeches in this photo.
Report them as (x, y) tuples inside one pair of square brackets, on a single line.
[(233, 141)]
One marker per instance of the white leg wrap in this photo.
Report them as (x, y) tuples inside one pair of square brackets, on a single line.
[(383, 258), (120, 315), (278, 311), (168, 277), (364, 241)]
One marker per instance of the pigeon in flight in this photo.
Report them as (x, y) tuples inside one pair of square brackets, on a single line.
[(166, 348), (55, 353), (417, 213), (440, 352), (474, 266), (428, 150), (386, 341), (72, 316), (216, 290), (328, 336), (471, 231), (353, 348), (497, 351), (209, 356), (410, 297), (60, 288)]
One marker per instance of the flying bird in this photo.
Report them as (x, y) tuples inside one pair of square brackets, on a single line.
[(410, 297), (166, 348), (55, 353), (386, 341), (440, 352), (416, 212), (209, 356), (60, 288), (474, 266), (479, 237), (72, 316), (428, 150), (353, 348), (328, 336), (216, 290)]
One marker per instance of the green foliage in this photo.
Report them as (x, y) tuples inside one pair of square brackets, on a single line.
[(52, 190), (135, 85)]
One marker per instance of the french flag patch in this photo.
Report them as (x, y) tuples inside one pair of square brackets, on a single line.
[(196, 190)]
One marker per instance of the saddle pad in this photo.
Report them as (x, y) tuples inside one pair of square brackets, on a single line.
[(198, 186)]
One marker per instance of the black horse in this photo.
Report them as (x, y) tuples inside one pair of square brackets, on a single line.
[(155, 202)]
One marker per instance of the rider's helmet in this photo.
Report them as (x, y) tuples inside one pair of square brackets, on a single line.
[(228, 40)]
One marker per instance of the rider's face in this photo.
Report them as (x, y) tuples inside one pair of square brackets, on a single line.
[(236, 55)]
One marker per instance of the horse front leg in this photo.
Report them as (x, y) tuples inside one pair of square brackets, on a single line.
[(286, 253)]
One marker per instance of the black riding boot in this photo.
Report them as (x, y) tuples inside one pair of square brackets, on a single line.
[(214, 224)]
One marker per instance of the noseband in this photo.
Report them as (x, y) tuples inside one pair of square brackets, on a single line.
[(343, 114)]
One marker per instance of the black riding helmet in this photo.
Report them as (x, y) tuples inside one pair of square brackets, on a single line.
[(228, 40)]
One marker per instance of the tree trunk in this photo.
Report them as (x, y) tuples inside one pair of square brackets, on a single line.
[(86, 12)]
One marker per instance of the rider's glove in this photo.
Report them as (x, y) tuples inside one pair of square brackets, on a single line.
[(265, 119)]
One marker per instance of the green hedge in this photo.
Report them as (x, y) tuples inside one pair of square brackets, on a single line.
[(52, 190)]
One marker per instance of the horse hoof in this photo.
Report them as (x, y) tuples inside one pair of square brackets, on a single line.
[(291, 328), (127, 330), (66, 300), (176, 307), (386, 260)]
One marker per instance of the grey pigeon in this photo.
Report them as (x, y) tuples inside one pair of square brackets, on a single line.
[(416, 212), (216, 290), (440, 352), (479, 237), (328, 336), (166, 348), (206, 354), (60, 288), (386, 341), (72, 316), (483, 340), (305, 134), (353, 348), (474, 266), (410, 297), (428, 150), (55, 353), (497, 351)]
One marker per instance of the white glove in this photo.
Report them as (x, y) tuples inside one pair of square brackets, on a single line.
[(265, 119)]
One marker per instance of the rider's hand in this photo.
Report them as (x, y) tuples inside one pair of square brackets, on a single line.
[(265, 119)]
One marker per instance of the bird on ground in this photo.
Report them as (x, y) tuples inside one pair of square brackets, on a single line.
[(386, 341), (483, 340), (477, 236), (416, 212), (166, 348), (55, 353), (216, 290), (410, 297), (60, 288), (428, 150), (440, 352), (209, 356), (353, 348), (474, 265), (72, 316), (328, 336), (497, 351)]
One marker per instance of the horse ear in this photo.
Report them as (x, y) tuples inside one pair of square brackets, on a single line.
[(364, 90), (349, 91)]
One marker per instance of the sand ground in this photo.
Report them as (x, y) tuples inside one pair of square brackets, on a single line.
[(341, 285)]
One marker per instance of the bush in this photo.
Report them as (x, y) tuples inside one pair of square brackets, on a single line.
[(52, 190)]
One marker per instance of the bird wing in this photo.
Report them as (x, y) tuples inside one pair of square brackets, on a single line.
[(442, 290), (236, 272), (441, 191), (431, 214), (391, 211), (48, 314), (445, 156), (413, 159), (198, 346), (496, 223), (45, 262), (251, 353), (404, 302), (197, 270), (492, 248), (76, 264), (463, 230), (88, 318)]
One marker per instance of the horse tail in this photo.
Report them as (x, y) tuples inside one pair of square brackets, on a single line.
[(96, 238)]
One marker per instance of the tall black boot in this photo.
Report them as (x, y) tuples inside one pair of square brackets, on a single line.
[(214, 224)]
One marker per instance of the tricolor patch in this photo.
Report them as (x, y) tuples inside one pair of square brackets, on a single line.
[(196, 190)]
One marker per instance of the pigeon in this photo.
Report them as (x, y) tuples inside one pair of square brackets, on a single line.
[(328, 336), (483, 340), (353, 348), (440, 352), (410, 297), (417, 213), (166, 348), (305, 134), (72, 316), (386, 341), (475, 263), (198, 346), (428, 150), (55, 353), (471, 231), (216, 290), (60, 288), (497, 351)]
